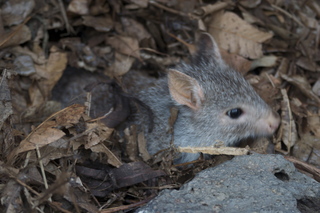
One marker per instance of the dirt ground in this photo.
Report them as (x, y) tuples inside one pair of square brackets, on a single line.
[(56, 156)]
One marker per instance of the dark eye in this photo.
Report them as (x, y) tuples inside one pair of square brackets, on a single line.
[(234, 113)]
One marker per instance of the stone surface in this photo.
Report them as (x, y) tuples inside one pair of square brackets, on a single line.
[(255, 183)]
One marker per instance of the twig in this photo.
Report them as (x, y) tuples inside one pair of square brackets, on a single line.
[(314, 171), (172, 10), (124, 207)]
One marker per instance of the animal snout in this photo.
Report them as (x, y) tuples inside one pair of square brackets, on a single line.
[(273, 122)]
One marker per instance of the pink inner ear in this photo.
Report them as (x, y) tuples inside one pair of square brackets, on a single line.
[(185, 90)]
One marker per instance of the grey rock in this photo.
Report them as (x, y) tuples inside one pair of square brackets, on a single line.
[(255, 183)]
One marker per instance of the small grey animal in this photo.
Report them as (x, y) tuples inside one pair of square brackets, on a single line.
[(215, 103)]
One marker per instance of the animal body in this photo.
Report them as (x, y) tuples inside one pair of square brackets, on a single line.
[(215, 103)]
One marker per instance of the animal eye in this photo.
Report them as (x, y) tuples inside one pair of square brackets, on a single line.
[(234, 113)]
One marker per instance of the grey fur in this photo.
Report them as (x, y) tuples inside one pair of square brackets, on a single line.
[(224, 89)]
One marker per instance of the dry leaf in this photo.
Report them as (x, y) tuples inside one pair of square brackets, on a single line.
[(141, 3), (39, 138), (131, 143), (237, 36), (50, 73), (125, 45), (288, 125), (210, 8), (135, 29), (121, 65), (314, 124), (112, 159), (52, 70), (265, 61), (316, 87), (24, 65), (15, 12), (15, 36), (308, 64), (97, 134), (48, 132), (5, 99), (308, 21), (303, 84), (142, 146), (101, 24), (80, 7)]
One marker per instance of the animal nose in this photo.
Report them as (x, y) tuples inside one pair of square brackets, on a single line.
[(273, 122)]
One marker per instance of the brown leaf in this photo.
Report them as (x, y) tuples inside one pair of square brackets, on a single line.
[(265, 61), (308, 64), (135, 29), (39, 138), (121, 65), (142, 146), (131, 145), (48, 132), (125, 45), (5, 99), (15, 36), (112, 159), (97, 133), (101, 24), (80, 7), (70, 115), (15, 12), (288, 125), (237, 36), (303, 84)]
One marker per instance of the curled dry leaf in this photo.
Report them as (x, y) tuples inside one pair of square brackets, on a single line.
[(50, 72), (135, 29), (97, 134), (80, 7), (316, 87), (125, 45), (142, 146), (303, 84), (288, 125), (101, 24), (210, 8), (112, 159), (24, 64), (265, 61), (250, 3), (308, 21), (5, 99), (15, 36), (15, 12), (307, 148), (314, 124), (121, 65), (48, 132), (131, 145), (308, 64), (237, 36)]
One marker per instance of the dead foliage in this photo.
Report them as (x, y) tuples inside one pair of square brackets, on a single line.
[(67, 154)]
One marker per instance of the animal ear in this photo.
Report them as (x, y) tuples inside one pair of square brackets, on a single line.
[(207, 50), (185, 90)]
